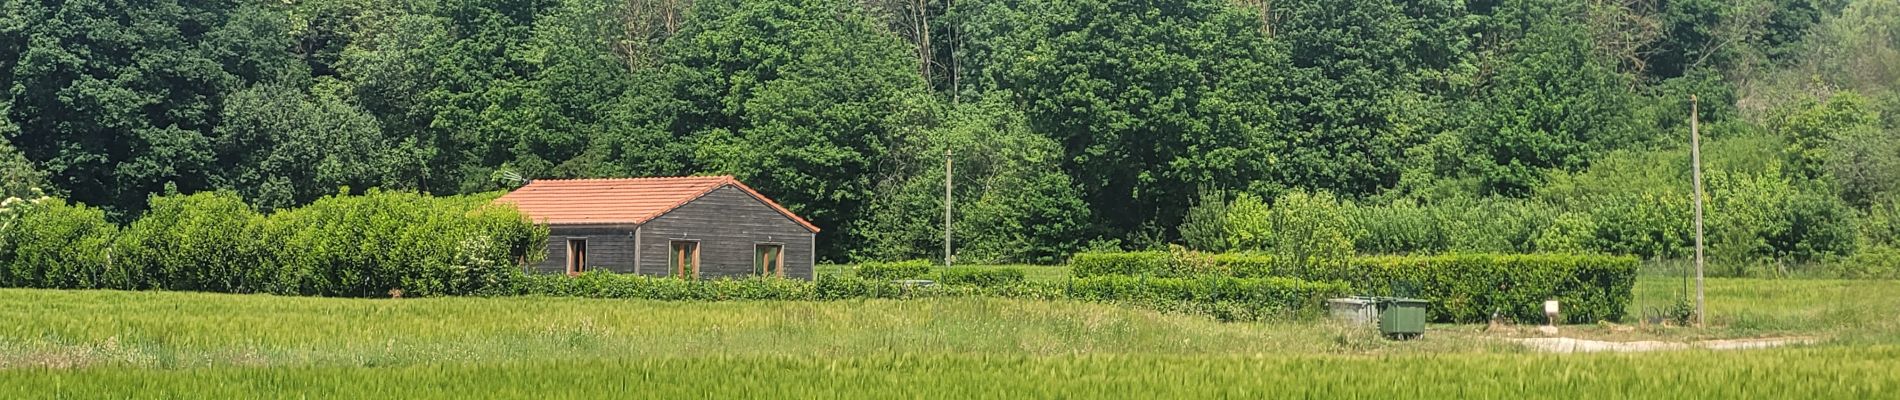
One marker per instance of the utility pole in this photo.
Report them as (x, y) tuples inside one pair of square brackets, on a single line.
[(1695, 159), (947, 171)]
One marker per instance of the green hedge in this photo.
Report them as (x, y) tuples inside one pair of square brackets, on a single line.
[(1134, 263), (1225, 298), (983, 277), (1462, 287), (367, 245), (342, 245), (913, 269), (47, 243), (1229, 299), (1470, 287)]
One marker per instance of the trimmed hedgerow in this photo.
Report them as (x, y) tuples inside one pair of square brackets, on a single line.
[(1225, 298), (1134, 263), (983, 277), (913, 269), (1461, 287), (1146, 264), (1470, 287)]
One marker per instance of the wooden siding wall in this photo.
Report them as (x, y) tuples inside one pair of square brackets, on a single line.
[(609, 248), (727, 222)]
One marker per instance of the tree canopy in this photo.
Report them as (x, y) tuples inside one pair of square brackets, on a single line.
[(1073, 123)]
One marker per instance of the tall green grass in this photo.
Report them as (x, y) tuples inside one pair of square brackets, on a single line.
[(1832, 373), (111, 344)]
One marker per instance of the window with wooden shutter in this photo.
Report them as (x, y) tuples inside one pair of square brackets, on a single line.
[(768, 259), (683, 260)]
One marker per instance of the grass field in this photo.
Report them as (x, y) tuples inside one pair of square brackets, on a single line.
[(88, 344)]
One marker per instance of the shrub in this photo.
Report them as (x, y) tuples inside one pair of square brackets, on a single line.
[(1398, 228), (1204, 228), (203, 242), (1251, 265), (1310, 231), (982, 277), (367, 245), (1093, 264), (1874, 262), (1225, 298), (1178, 263), (1249, 224), (912, 269), (46, 243), (1470, 287), (1462, 287)]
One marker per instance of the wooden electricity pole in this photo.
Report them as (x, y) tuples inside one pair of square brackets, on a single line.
[(947, 171), (1695, 160)]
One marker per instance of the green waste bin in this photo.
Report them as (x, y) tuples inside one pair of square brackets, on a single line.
[(1401, 318)]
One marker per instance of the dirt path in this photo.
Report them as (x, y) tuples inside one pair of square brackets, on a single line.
[(1571, 345)]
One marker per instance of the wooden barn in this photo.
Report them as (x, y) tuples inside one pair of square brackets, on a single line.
[(698, 227)]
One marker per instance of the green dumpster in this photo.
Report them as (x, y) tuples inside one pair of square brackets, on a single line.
[(1401, 318)]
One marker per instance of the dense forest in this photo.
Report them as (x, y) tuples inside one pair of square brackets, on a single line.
[(1384, 126)]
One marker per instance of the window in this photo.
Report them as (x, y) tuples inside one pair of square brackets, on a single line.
[(576, 256), (683, 260), (768, 260)]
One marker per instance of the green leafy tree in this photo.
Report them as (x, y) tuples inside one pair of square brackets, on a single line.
[(1812, 128), (1553, 103), (282, 148), (799, 98), (116, 98), (1012, 201), (1150, 101)]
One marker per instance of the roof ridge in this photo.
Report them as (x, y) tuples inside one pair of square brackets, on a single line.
[(640, 199), (645, 178)]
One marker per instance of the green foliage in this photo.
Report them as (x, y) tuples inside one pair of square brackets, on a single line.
[(1875, 262), (981, 277), (886, 271), (1570, 233), (1249, 224), (1012, 202), (801, 99), (1151, 101), (1553, 103), (1142, 263), (1463, 287), (1310, 231), (1398, 228), (1812, 129), (1072, 121), (18, 176), (1469, 288), (1882, 225), (47, 243), (368, 245), (287, 149), (208, 242), (1224, 298), (1204, 228)]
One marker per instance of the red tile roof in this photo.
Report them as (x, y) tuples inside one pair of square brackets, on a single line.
[(621, 201)]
